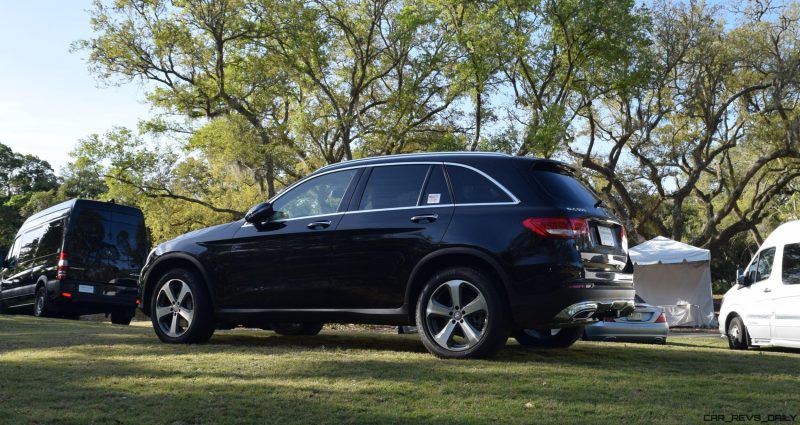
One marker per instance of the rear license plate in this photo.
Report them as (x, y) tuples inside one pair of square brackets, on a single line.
[(635, 317), (88, 289), (606, 236)]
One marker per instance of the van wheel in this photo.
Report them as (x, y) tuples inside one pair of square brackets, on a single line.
[(122, 317), (460, 314), (548, 338), (737, 334), (181, 309), (41, 307), (297, 329)]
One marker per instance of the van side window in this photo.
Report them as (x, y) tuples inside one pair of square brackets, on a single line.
[(13, 254), (29, 243), (52, 238), (764, 269), (791, 264)]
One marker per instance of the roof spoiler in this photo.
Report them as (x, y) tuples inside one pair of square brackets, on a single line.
[(553, 165)]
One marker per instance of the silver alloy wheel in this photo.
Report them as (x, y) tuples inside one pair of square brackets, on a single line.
[(174, 308), (734, 332), (456, 315)]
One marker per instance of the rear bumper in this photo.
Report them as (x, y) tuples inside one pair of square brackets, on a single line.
[(621, 331), (572, 306), (89, 298)]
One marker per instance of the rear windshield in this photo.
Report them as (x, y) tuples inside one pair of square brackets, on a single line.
[(105, 236), (564, 188)]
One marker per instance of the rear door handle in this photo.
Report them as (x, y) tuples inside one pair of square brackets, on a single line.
[(425, 218), (767, 290), (316, 225)]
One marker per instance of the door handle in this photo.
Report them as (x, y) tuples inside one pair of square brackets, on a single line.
[(767, 290), (316, 225), (426, 218)]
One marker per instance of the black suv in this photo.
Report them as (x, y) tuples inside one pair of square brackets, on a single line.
[(469, 247), (77, 257)]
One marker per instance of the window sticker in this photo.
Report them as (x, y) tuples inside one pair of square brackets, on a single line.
[(434, 198)]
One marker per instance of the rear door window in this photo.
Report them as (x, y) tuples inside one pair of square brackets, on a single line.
[(393, 186), (129, 237), (470, 187), (791, 264), (436, 190)]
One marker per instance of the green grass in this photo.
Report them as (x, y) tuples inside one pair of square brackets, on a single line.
[(58, 371)]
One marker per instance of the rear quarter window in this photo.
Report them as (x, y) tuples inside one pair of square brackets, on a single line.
[(470, 187), (791, 264)]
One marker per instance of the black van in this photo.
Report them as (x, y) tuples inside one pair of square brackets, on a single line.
[(77, 257)]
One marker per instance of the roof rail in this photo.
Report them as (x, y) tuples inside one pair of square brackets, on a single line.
[(416, 154)]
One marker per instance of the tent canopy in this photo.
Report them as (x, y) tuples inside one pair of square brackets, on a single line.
[(661, 250), (675, 276)]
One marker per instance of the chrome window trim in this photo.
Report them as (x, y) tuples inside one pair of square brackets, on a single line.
[(514, 200)]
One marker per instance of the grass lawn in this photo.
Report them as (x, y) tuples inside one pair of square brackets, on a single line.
[(58, 371)]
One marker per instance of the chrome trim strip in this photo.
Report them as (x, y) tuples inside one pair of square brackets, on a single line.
[(514, 201)]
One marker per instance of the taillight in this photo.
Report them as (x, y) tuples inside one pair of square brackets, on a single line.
[(661, 318), (557, 227), (623, 238), (63, 266)]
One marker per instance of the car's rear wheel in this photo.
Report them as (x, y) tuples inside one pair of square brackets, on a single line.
[(460, 314), (297, 329), (41, 306), (737, 334), (548, 338), (181, 309)]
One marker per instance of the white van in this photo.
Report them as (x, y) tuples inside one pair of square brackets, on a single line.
[(763, 307)]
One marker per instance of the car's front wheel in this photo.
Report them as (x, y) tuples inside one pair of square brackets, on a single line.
[(548, 338), (737, 334), (181, 309), (460, 314)]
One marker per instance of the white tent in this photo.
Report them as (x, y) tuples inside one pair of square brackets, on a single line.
[(675, 276)]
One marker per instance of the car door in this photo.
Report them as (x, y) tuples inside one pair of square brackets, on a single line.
[(786, 325), (10, 275), (399, 214), (285, 263), (760, 311)]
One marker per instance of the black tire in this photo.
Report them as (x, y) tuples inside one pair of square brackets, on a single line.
[(3, 307), (41, 305), (738, 339), (548, 338), (297, 329), (202, 324), (122, 317), (491, 321)]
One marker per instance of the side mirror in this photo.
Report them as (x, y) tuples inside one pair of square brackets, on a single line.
[(743, 280), (259, 213)]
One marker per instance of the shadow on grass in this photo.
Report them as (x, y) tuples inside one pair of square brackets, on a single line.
[(89, 372)]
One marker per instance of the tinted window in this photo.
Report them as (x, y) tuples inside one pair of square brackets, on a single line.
[(52, 238), (29, 242), (13, 253), (88, 241), (764, 268), (320, 195), (393, 187), (564, 188), (470, 187), (129, 236), (436, 190), (791, 264)]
